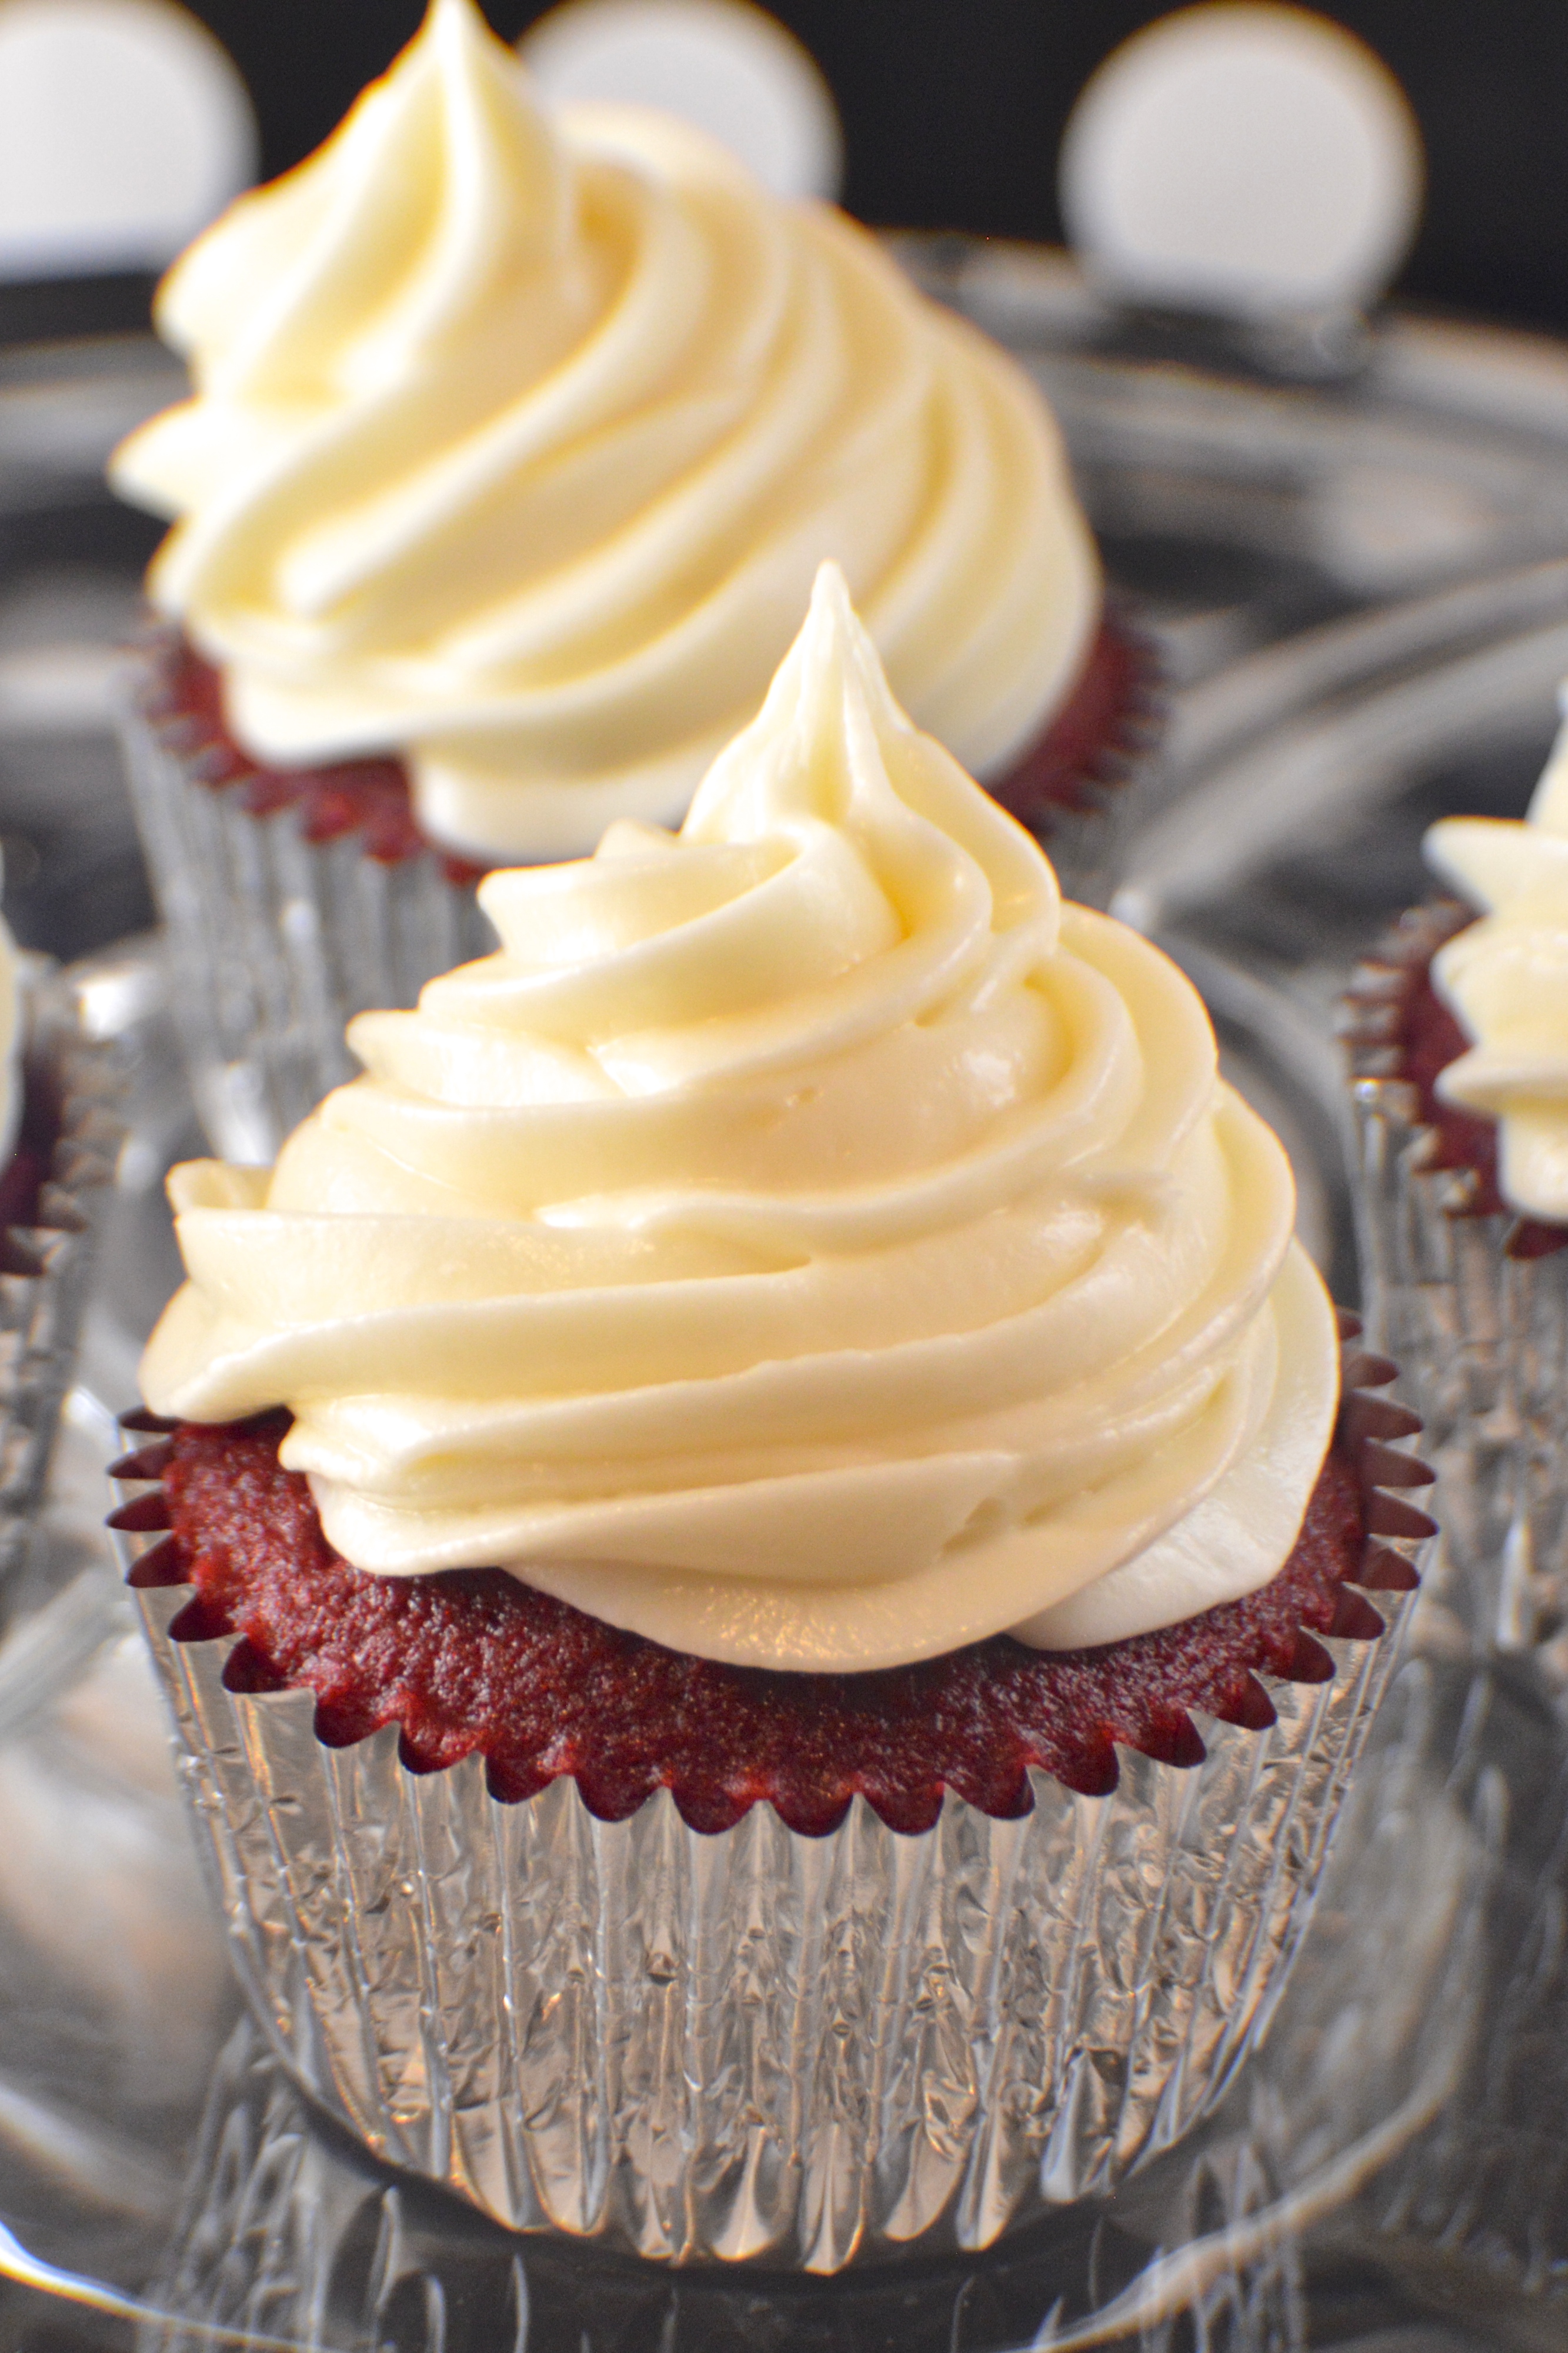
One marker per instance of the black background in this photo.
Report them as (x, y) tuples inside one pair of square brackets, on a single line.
[(954, 111)]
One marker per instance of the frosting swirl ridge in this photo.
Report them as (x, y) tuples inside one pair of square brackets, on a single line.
[(806, 1241), (1505, 979), (515, 445)]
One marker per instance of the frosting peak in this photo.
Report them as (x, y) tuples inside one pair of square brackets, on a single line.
[(515, 443), (805, 1241), (1505, 979), (440, 200)]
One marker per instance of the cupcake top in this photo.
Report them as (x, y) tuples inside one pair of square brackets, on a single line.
[(1505, 980), (806, 1242), (515, 444)]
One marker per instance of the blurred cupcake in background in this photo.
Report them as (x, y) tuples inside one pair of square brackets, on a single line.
[(692, 1514), (514, 445), (1457, 1028), (60, 1131)]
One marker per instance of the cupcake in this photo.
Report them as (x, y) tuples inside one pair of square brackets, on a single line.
[(514, 445), (696, 1506), (1457, 1028), (60, 1131)]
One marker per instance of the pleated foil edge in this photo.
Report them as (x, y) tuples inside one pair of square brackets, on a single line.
[(758, 2045), (44, 1303), (1086, 840), (275, 942), (1480, 1337)]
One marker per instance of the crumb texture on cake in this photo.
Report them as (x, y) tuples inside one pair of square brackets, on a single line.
[(474, 1661)]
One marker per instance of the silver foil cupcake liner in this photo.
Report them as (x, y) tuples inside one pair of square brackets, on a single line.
[(758, 2044), (291, 2231), (48, 1263), (1480, 1336), (276, 940)]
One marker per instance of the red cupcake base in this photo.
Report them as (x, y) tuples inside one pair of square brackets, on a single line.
[(1398, 1027), (1108, 723), (474, 1661), (31, 1165)]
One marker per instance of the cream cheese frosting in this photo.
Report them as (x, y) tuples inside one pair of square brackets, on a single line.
[(806, 1242), (1505, 980), (515, 444)]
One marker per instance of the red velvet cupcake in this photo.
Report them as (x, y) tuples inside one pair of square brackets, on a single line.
[(58, 1117), (499, 536), (469, 1786), (700, 1502), (1458, 1031)]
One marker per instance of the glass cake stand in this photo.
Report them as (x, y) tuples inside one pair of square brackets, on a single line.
[(1356, 560)]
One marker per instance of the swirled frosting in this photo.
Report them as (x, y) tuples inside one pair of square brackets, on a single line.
[(806, 1242), (1505, 980), (515, 445)]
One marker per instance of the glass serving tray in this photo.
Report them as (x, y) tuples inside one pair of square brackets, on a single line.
[(1360, 584)]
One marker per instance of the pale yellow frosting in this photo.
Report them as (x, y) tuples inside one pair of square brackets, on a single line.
[(1505, 979), (515, 445), (806, 1242)]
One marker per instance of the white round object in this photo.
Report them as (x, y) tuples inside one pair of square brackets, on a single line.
[(1255, 161), (124, 129), (727, 67)]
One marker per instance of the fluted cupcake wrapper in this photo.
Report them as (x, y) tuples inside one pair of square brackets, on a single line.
[(758, 2043), (287, 2231), (1480, 1331), (276, 940), (48, 1265)]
